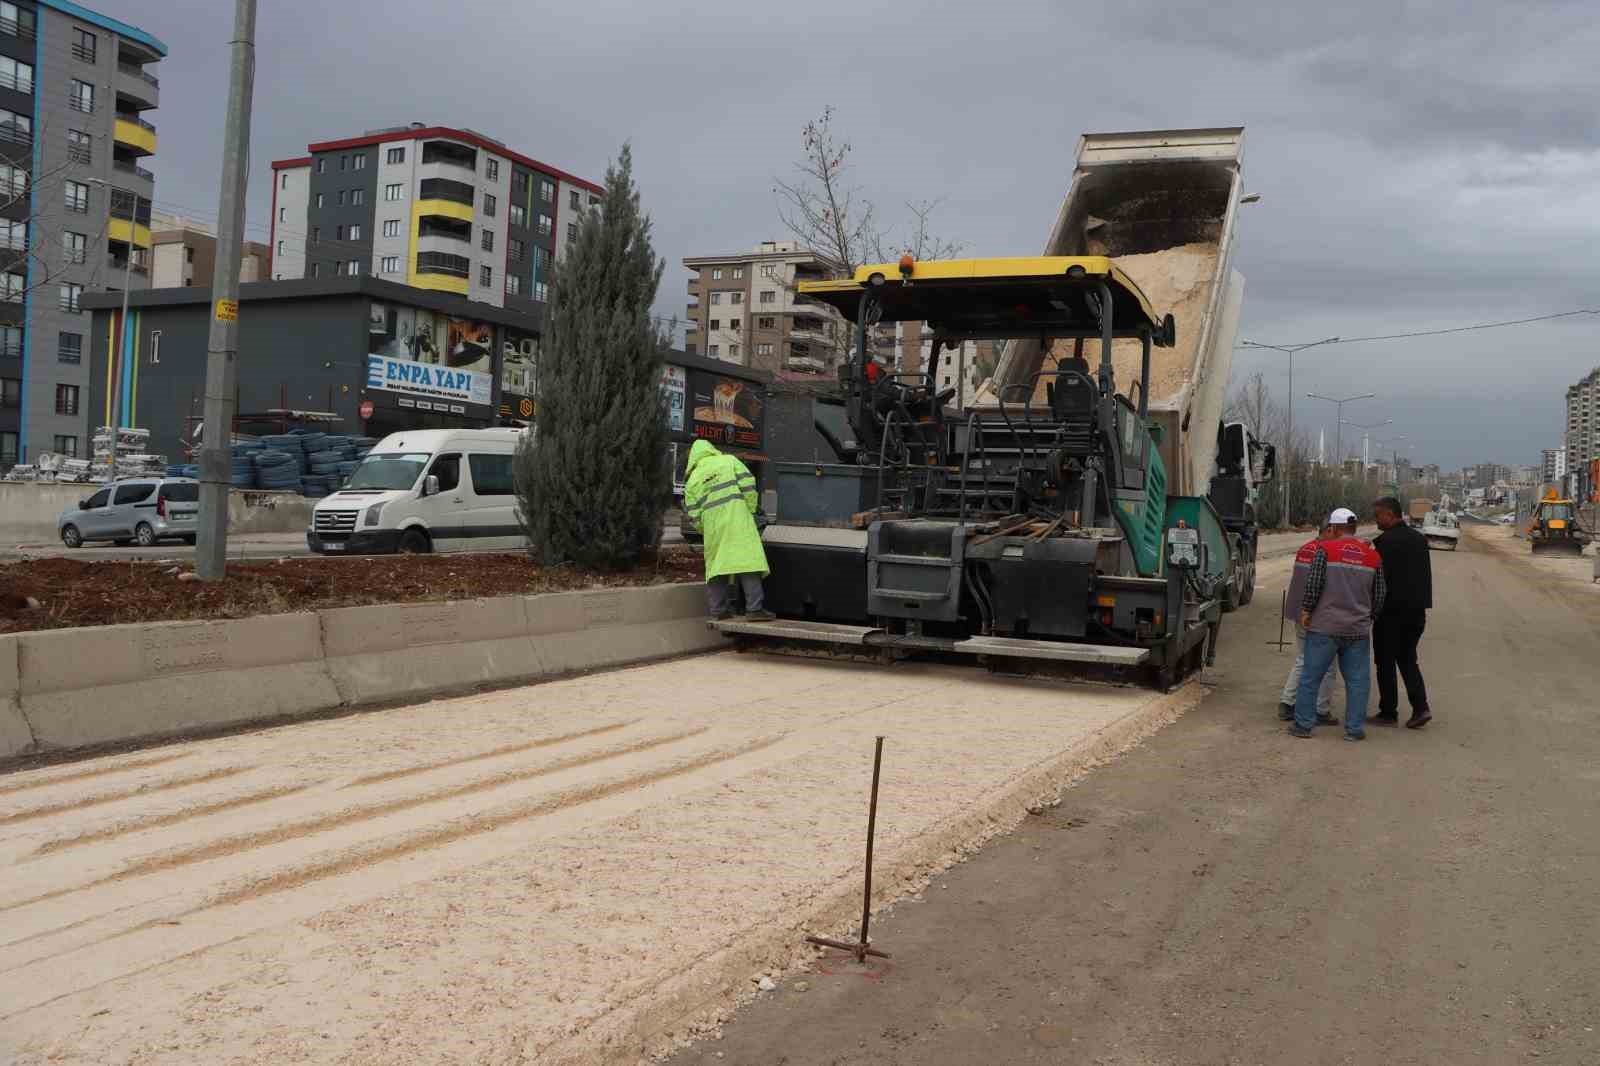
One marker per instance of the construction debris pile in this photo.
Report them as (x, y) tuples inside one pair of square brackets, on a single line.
[(118, 453)]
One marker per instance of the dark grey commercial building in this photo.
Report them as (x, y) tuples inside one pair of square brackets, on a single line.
[(380, 356)]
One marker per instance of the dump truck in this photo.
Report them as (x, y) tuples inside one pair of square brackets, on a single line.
[(1064, 519), (1440, 530), (1419, 509)]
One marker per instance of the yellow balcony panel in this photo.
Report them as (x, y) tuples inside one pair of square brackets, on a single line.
[(447, 208), (136, 134), (439, 283), (120, 229)]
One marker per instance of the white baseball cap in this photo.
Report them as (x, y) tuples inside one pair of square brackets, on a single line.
[(1341, 516)]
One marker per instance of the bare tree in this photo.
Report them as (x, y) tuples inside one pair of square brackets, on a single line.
[(923, 243)]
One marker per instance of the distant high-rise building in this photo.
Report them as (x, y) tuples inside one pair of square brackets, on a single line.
[(1583, 420), (74, 207), (427, 206), (1554, 466)]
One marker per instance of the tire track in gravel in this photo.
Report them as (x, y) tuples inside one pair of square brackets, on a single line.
[(161, 821), (83, 775), (493, 753), (112, 797), (308, 827)]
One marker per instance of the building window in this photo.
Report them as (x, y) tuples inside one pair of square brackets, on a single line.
[(11, 393), (513, 285), (15, 74), (283, 214), (338, 233), (769, 297), (83, 44), (359, 163), (65, 445), (769, 270), (733, 351), (541, 291), (767, 322), (541, 258), (14, 234), (358, 196), (353, 267), (573, 200), (11, 342), (488, 240), (716, 273), (316, 234), (390, 264), (12, 287), (547, 190), (319, 199), (316, 270), (716, 323), (738, 272), (341, 197), (17, 22), (322, 166), (80, 96), (733, 323), (519, 215), (344, 162), (66, 399), (486, 276), (736, 297), (393, 192), (716, 298), (280, 247), (283, 181), (338, 267), (391, 227), (75, 247), (155, 347), (70, 297), (489, 204), (546, 225), (572, 232), (355, 232), (763, 349), (491, 169), (15, 127), (78, 197), (516, 250), (13, 180), (715, 351), (396, 156)]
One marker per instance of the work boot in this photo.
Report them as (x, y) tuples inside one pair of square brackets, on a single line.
[(1324, 718), (1389, 718), (760, 616), (1419, 719), (1296, 731), (1285, 712)]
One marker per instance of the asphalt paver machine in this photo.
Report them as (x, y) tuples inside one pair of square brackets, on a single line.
[(1033, 533)]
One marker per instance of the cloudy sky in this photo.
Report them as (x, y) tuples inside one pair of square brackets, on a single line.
[(1421, 164)]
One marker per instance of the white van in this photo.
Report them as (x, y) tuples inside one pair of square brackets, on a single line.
[(423, 491)]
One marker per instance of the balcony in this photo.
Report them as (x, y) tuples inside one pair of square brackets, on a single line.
[(442, 272), (452, 192), (16, 133), (450, 154), (130, 168), (119, 263), (134, 134), (136, 90), (24, 29)]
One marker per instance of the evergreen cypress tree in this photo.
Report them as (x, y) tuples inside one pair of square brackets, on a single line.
[(591, 479)]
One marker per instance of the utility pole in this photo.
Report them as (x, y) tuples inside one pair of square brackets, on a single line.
[(222, 351), (1291, 350), (1338, 432)]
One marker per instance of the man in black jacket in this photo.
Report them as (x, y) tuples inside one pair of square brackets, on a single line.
[(1409, 575)]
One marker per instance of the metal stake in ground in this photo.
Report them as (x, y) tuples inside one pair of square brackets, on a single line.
[(861, 950), (1280, 642)]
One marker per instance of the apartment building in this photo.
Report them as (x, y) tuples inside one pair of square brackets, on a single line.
[(183, 253), (450, 210), (75, 86), (744, 308), (1583, 420), (908, 346), (1553, 465)]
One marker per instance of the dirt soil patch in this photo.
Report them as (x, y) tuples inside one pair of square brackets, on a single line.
[(72, 593)]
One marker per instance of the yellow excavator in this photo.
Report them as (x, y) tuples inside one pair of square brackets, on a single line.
[(1555, 526)]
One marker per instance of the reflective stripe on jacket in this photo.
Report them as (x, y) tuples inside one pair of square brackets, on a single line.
[(720, 497)]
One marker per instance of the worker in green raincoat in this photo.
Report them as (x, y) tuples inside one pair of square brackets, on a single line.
[(719, 496)]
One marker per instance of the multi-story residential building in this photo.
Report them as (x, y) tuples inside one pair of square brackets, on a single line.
[(1583, 420), (74, 204), (183, 253), (744, 308), (428, 206), (1553, 467)]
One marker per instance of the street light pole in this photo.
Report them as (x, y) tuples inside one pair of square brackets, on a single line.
[(222, 349), (1338, 436), (1288, 468)]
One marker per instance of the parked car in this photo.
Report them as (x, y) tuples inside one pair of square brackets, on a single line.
[(139, 511), (425, 490)]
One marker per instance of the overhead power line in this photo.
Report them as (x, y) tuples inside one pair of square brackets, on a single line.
[(1455, 329)]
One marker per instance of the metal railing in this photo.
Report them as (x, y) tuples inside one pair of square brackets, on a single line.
[(21, 83), (13, 28), (80, 153), (80, 103), (119, 263), (136, 71), (129, 168), (136, 120), (10, 131), (83, 52), (443, 263)]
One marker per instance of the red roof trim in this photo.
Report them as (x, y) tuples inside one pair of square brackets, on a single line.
[(458, 135), (290, 164)]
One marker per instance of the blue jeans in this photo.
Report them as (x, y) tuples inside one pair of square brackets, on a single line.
[(1355, 663)]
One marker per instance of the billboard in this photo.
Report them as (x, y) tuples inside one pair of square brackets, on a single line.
[(430, 354), (674, 387), (727, 411)]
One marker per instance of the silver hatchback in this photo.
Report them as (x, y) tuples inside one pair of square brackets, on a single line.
[(136, 511)]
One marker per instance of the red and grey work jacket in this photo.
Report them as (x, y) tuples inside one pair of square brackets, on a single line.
[(1352, 590), (1297, 580)]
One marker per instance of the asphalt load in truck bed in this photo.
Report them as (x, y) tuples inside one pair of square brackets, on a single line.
[(72, 593)]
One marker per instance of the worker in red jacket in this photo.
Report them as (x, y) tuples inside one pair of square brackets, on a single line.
[(1343, 596)]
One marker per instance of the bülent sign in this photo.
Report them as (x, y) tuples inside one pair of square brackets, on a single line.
[(428, 379)]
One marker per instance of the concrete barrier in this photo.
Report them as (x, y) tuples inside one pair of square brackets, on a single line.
[(73, 688)]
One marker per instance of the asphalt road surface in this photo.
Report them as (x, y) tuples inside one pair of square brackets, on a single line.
[(1229, 894)]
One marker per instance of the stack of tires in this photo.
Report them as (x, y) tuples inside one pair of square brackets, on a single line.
[(278, 471), (243, 474), (329, 465)]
